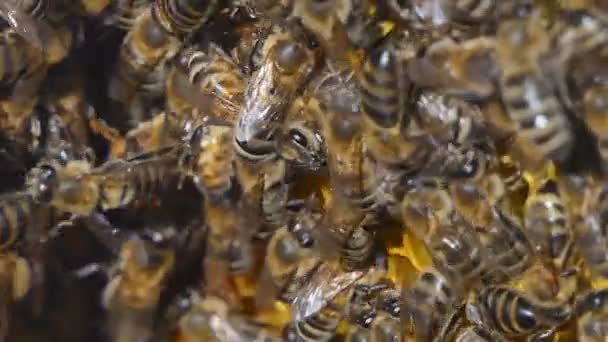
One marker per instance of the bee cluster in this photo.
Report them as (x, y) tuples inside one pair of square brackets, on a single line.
[(303, 170)]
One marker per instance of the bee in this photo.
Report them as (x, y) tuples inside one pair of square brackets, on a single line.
[(428, 302), (513, 313), (133, 293), (79, 189), (507, 246), (336, 98), (547, 223), (124, 12), (211, 318), (384, 96), (543, 128), (591, 316), (287, 64), (141, 69), (181, 19)]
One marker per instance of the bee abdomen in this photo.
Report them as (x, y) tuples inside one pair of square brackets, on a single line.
[(540, 117), (514, 314), (321, 326), (358, 247), (381, 93), (181, 18)]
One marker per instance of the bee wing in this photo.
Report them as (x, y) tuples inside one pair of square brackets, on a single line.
[(324, 285), (24, 24), (225, 330)]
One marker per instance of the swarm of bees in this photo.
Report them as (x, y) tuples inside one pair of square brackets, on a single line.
[(303, 170)]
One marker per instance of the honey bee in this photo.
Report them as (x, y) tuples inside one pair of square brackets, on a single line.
[(428, 303), (141, 68), (337, 99), (591, 312), (211, 164), (287, 64), (384, 95), (133, 293), (79, 189), (507, 245), (547, 223), (543, 128), (513, 313), (211, 318)]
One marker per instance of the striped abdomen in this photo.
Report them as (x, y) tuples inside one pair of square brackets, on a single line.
[(358, 247), (181, 18), (540, 118), (547, 223), (507, 245), (383, 88), (318, 327), (512, 314)]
